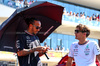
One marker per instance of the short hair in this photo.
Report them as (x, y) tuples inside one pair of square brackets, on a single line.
[(84, 28), (30, 20)]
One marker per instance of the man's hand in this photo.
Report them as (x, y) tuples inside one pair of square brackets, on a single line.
[(41, 49)]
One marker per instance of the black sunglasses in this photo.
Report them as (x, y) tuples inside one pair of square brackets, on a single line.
[(77, 31), (37, 27)]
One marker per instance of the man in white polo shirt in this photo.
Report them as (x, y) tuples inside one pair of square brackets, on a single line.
[(84, 52)]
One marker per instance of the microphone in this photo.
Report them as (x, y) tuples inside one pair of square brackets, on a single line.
[(46, 55)]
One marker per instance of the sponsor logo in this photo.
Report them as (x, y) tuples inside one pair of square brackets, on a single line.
[(18, 43), (27, 37), (9, 47), (87, 50), (76, 46), (76, 50)]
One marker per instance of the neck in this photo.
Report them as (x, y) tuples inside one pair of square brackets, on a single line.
[(83, 41), (29, 31)]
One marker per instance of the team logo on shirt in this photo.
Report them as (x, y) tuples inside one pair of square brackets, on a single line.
[(76, 50), (76, 46), (18, 43), (27, 37), (87, 50), (28, 40)]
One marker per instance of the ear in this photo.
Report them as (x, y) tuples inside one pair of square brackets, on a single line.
[(84, 33), (30, 25)]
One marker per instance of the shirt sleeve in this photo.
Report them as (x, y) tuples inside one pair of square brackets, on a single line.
[(20, 42), (71, 51), (96, 49)]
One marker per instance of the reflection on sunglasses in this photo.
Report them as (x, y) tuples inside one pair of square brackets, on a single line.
[(37, 27), (77, 31)]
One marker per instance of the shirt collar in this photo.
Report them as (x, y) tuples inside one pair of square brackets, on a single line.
[(29, 33)]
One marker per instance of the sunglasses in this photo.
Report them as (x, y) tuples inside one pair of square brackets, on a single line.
[(77, 31), (37, 27)]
